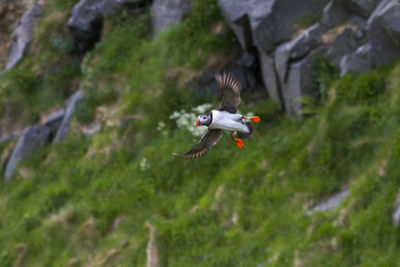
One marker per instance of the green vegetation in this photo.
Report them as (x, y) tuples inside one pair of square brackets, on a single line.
[(45, 76), (306, 20), (87, 200)]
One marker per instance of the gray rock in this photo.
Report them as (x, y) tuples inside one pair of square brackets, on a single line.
[(357, 62), (361, 7), (297, 49), (334, 14), (168, 12), (237, 17), (73, 102), (23, 34), (396, 215), (286, 13), (93, 130), (282, 55), (379, 7), (356, 20), (306, 41), (269, 77), (383, 40), (345, 43), (262, 27), (54, 120), (266, 23), (390, 16), (32, 138), (331, 203), (299, 83), (86, 21), (383, 33)]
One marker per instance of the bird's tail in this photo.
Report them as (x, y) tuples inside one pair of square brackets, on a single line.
[(246, 135)]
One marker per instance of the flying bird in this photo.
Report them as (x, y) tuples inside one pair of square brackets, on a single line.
[(223, 118)]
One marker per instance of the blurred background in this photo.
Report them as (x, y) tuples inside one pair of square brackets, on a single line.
[(95, 96)]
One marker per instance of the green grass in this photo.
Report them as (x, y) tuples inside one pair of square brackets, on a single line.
[(87, 198)]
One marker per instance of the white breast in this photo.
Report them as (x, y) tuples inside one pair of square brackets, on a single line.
[(227, 121)]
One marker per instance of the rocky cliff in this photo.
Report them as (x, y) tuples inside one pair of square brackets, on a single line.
[(281, 41), (96, 95)]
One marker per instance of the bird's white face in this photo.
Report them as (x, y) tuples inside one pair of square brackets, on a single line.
[(203, 119)]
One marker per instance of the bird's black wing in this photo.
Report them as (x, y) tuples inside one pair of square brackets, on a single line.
[(209, 139), (231, 88)]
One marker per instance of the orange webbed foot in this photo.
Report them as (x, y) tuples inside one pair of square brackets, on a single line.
[(239, 142), (255, 119)]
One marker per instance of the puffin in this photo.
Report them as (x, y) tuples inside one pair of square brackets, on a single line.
[(223, 119)]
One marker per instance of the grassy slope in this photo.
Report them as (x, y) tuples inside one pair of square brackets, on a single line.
[(81, 200)]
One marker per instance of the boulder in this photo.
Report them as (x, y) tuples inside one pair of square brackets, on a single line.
[(357, 62), (388, 19), (86, 24), (266, 23), (282, 55), (297, 49), (396, 211), (167, 12), (72, 104), (299, 83), (396, 215), (32, 138), (91, 131), (305, 42), (11, 12), (238, 15), (346, 42), (23, 34), (383, 40), (53, 121), (269, 77), (86, 21), (285, 14), (356, 20), (331, 203), (384, 33), (363, 8), (333, 14)]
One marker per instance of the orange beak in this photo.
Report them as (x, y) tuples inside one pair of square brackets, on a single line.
[(197, 122)]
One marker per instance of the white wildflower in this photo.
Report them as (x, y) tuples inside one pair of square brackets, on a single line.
[(160, 126), (144, 164), (188, 119)]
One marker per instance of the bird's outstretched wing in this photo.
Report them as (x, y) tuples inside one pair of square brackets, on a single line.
[(231, 88), (209, 139)]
